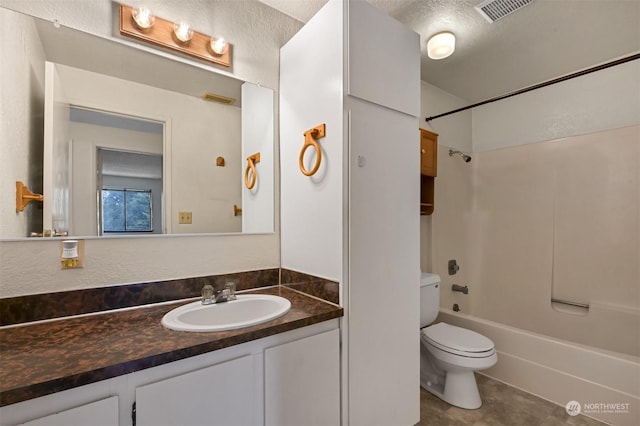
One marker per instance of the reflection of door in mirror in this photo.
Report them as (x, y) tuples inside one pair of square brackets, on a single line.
[(109, 151), (57, 146)]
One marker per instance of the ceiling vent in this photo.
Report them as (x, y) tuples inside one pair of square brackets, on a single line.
[(492, 10)]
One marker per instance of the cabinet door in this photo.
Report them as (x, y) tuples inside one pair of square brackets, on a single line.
[(428, 153), (104, 412), (302, 382), (383, 292), (222, 394), (384, 59)]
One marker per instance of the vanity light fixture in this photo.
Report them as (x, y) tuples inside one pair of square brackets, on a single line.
[(183, 32), (441, 45), (218, 45), (140, 24), (143, 17)]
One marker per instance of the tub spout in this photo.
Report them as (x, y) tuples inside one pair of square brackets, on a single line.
[(456, 287)]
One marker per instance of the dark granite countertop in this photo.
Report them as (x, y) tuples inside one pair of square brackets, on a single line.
[(43, 358)]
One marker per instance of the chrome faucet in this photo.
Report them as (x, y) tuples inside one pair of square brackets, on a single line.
[(209, 296), (456, 287)]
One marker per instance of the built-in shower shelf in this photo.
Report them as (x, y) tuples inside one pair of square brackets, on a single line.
[(428, 170)]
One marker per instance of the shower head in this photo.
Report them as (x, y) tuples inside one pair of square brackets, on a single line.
[(465, 157)]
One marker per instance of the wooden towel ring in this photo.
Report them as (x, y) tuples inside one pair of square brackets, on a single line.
[(310, 139), (251, 167)]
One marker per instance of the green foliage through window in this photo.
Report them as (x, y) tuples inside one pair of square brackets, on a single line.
[(126, 210)]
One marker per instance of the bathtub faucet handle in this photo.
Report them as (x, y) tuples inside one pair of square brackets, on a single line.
[(453, 267), (456, 287)]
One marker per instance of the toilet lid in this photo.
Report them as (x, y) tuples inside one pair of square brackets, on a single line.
[(458, 339)]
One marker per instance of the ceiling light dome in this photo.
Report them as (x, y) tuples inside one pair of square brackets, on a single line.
[(441, 45)]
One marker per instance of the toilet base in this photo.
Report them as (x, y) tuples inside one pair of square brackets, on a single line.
[(453, 384), (459, 389)]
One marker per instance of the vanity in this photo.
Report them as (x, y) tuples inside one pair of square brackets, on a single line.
[(123, 367)]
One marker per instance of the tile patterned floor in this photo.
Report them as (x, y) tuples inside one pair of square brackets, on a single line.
[(502, 406)]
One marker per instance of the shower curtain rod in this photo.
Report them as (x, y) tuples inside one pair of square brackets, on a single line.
[(543, 84)]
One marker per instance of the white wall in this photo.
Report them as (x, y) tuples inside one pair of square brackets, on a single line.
[(311, 94), (454, 131), (606, 99), (445, 234), (246, 24), (126, 260), (22, 80)]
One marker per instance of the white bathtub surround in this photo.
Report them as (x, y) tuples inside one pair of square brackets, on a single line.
[(559, 219), (560, 371)]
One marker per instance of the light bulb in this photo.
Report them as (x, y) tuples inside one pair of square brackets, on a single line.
[(143, 17), (183, 31), (441, 45), (218, 45)]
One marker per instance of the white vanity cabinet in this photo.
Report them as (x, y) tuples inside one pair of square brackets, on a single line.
[(302, 381), (222, 394), (98, 413), (295, 372)]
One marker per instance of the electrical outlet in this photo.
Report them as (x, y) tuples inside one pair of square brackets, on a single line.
[(184, 218)]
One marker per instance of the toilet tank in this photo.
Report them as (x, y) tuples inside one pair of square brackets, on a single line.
[(429, 298)]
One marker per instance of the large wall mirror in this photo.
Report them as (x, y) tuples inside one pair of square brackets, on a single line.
[(122, 141)]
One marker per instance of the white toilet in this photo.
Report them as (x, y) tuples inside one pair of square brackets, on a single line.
[(449, 355)]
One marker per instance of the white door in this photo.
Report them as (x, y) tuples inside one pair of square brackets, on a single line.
[(56, 167)]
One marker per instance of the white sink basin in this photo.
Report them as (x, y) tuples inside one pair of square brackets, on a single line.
[(245, 311)]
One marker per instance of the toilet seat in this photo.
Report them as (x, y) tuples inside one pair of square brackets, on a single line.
[(458, 341)]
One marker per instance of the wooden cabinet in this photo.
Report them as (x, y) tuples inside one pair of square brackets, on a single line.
[(428, 170), (428, 153)]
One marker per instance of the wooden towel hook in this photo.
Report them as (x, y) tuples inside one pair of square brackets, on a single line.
[(310, 139), (251, 168), (24, 196)]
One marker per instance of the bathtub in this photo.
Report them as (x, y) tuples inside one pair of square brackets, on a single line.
[(606, 384)]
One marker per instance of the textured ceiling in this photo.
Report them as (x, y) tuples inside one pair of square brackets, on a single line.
[(544, 40)]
